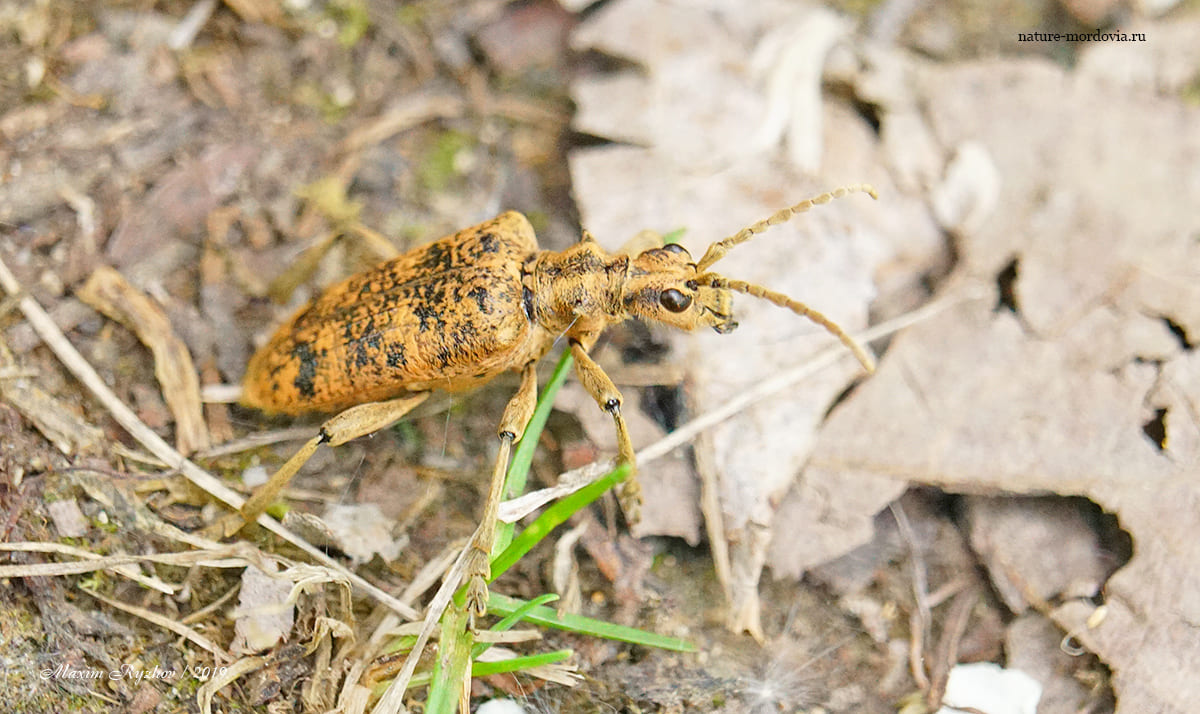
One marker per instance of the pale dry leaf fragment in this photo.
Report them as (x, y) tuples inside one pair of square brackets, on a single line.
[(999, 411), (107, 291), (887, 79), (360, 530), (501, 706), (68, 520), (1164, 66), (992, 688), (264, 615), (968, 192), (693, 98), (1099, 188), (1177, 394), (789, 61)]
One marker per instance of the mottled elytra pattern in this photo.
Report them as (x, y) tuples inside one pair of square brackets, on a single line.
[(455, 313), (448, 315)]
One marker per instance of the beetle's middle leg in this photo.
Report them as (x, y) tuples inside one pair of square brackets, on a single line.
[(512, 425), (350, 424), (602, 389)]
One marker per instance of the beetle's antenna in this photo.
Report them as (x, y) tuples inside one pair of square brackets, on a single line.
[(795, 306), (717, 250)]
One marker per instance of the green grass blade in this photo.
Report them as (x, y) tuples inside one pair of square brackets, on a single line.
[(518, 469), (454, 659), (556, 514), (516, 664), (548, 617), (507, 623), (673, 236)]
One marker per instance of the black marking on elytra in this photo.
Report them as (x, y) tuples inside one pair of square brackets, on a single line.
[(481, 296), (306, 369), (395, 355), (489, 243), (438, 257), (431, 294), (363, 345), (426, 315)]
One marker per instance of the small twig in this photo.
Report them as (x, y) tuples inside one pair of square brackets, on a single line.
[(921, 620), (167, 624), (125, 569), (254, 441), (213, 606), (229, 556), (183, 34), (947, 656)]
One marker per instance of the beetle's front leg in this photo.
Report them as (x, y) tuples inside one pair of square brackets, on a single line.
[(512, 426), (602, 389)]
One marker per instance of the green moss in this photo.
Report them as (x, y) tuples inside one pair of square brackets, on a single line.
[(353, 20), (439, 166)]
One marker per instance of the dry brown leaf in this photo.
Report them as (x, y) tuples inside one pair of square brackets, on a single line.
[(1033, 645), (699, 112), (1035, 549), (107, 291), (1099, 188)]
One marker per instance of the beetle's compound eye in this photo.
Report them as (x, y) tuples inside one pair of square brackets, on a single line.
[(675, 248), (674, 300)]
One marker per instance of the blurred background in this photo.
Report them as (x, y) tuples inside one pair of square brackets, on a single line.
[(1007, 505)]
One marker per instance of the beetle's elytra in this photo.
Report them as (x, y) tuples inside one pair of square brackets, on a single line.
[(454, 313), (448, 315)]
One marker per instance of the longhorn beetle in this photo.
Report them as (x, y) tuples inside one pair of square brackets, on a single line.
[(452, 314)]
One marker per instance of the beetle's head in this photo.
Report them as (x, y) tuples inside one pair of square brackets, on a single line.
[(666, 285), (663, 285)]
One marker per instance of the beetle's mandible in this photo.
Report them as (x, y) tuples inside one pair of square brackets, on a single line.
[(454, 313)]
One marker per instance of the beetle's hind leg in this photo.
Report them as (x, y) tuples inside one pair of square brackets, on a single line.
[(602, 389), (512, 425), (352, 423)]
